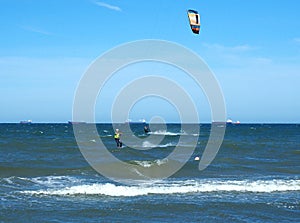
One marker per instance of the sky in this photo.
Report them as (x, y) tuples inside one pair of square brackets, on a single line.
[(251, 46)]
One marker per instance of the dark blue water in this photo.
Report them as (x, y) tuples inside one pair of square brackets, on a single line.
[(255, 176)]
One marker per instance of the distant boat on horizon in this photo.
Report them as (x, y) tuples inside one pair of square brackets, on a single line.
[(73, 122), (26, 121), (141, 121), (229, 121)]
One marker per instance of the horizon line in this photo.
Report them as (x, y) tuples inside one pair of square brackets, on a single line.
[(67, 122)]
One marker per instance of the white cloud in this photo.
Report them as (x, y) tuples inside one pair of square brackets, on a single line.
[(297, 40), (36, 30), (238, 48), (235, 56), (108, 6)]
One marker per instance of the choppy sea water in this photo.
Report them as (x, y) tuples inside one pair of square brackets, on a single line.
[(255, 177)]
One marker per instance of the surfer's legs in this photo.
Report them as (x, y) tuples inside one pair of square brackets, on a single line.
[(119, 143)]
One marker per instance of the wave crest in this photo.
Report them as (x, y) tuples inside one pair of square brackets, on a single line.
[(175, 187)]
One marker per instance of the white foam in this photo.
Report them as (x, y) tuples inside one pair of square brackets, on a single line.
[(151, 163), (55, 181), (144, 163), (147, 144), (175, 187), (166, 133)]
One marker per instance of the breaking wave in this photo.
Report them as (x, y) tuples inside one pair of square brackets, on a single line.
[(170, 187)]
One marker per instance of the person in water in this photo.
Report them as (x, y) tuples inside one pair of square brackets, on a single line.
[(146, 129), (117, 138)]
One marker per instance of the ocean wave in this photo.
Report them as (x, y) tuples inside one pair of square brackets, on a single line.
[(146, 164), (147, 144), (175, 187), (44, 181), (54, 181), (166, 133)]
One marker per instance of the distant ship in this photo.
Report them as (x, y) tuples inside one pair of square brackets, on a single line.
[(141, 121), (73, 123), (229, 121), (26, 122)]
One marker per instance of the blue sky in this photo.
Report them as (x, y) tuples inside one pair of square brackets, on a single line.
[(253, 48)]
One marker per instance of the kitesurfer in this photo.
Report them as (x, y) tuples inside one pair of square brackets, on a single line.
[(117, 138), (146, 129)]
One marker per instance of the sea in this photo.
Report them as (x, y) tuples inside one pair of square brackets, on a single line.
[(254, 177)]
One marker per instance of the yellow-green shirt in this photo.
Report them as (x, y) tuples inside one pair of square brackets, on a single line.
[(117, 135)]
